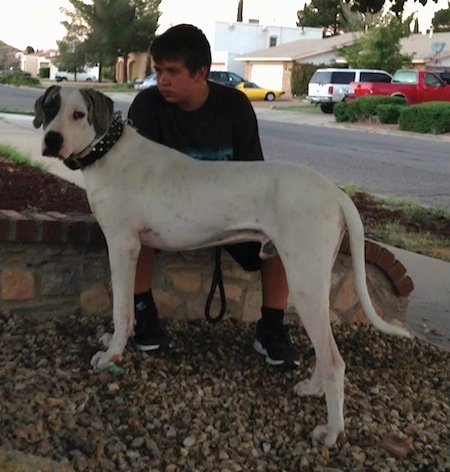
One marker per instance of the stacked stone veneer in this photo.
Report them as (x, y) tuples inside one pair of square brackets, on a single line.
[(53, 263)]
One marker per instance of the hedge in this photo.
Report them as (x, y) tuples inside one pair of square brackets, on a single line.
[(364, 108), (430, 117)]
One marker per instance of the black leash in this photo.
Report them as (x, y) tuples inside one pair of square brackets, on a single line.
[(217, 280)]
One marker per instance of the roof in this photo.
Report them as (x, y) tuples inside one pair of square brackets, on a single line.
[(418, 45), (300, 49)]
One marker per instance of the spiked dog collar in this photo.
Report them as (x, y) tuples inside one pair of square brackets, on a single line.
[(99, 149)]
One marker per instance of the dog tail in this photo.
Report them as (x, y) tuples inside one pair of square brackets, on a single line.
[(357, 249)]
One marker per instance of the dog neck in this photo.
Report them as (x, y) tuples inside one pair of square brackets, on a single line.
[(98, 148)]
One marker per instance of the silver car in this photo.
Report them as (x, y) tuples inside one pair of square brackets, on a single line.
[(147, 82)]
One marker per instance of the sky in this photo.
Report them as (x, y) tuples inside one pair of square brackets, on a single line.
[(36, 23)]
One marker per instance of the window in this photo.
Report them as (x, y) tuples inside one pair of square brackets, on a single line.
[(272, 41), (375, 77), (342, 77), (405, 77), (431, 79)]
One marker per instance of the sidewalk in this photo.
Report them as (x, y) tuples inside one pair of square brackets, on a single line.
[(428, 314)]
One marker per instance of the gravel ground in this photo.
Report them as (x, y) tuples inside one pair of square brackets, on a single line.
[(211, 404)]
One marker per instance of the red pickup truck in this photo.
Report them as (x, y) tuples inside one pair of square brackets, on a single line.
[(417, 86)]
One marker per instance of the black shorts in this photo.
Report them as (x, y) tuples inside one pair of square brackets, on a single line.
[(246, 255)]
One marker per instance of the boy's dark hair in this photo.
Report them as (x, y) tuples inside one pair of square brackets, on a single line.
[(185, 42)]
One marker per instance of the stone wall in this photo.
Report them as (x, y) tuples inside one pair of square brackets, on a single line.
[(52, 263)]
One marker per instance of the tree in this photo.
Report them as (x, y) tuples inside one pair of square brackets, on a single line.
[(101, 30), (441, 20), (374, 6), (240, 11), (330, 14), (379, 48), (71, 50), (321, 13), (351, 20)]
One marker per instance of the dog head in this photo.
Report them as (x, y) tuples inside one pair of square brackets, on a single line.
[(72, 119)]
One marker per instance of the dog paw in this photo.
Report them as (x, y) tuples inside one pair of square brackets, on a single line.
[(101, 359), (308, 388), (321, 433)]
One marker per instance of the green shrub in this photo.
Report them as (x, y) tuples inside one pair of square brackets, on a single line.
[(108, 74), (300, 76), (18, 79), (389, 113), (431, 117), (340, 110), (44, 73), (364, 108)]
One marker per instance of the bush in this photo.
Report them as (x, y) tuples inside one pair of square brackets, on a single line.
[(300, 76), (431, 117), (18, 79), (365, 108), (44, 73), (389, 113), (340, 112)]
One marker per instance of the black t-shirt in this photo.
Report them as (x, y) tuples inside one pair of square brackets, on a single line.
[(223, 128)]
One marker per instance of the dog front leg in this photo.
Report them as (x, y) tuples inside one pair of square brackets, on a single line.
[(123, 255)]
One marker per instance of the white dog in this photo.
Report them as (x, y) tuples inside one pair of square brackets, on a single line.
[(144, 193)]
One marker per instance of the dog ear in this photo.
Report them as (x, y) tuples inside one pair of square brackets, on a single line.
[(39, 108), (100, 108)]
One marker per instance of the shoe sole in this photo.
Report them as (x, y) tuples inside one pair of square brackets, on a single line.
[(145, 347), (258, 347)]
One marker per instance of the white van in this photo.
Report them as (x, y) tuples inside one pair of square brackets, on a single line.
[(87, 75), (329, 86)]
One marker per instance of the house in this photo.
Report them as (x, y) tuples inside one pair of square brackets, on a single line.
[(429, 51), (33, 62), (234, 39), (272, 67), (229, 41)]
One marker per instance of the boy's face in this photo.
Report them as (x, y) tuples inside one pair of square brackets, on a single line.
[(176, 83)]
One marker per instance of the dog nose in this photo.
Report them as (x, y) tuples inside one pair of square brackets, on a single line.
[(53, 140)]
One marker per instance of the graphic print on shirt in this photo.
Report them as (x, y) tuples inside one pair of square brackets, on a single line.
[(209, 154)]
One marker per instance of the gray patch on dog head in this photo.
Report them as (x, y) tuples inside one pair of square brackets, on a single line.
[(47, 106), (100, 110)]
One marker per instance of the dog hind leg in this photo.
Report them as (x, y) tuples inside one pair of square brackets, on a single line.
[(309, 292)]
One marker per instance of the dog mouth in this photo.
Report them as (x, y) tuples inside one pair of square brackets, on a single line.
[(52, 152)]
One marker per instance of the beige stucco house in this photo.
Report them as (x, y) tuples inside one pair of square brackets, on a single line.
[(428, 51)]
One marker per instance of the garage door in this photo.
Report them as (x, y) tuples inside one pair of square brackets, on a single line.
[(268, 75)]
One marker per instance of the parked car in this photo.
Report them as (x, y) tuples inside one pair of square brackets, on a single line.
[(225, 78), (255, 92), (82, 76), (416, 86), (147, 82), (18, 71), (329, 86)]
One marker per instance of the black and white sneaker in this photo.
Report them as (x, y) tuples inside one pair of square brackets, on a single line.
[(149, 335), (273, 341)]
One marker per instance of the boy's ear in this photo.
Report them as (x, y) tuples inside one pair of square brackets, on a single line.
[(203, 72)]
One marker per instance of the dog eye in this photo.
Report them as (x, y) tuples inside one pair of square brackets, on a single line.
[(78, 115)]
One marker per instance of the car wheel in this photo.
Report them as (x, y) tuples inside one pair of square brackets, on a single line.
[(327, 107), (270, 97), (88, 79), (63, 79)]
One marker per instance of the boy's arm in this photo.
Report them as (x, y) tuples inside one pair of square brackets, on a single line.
[(246, 141)]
